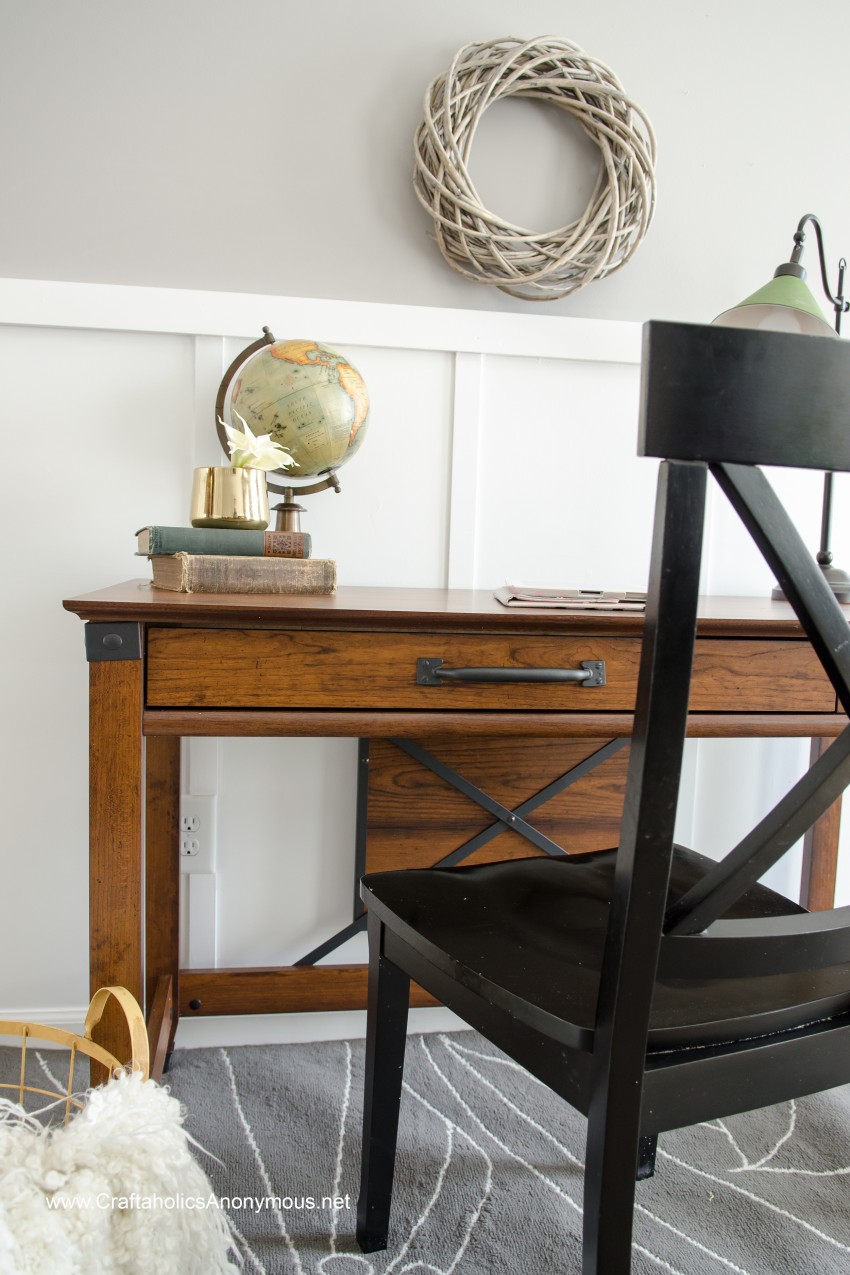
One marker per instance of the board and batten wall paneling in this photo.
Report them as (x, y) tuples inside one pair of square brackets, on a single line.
[(500, 445), (563, 497)]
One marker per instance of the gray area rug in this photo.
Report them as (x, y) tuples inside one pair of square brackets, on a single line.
[(489, 1174)]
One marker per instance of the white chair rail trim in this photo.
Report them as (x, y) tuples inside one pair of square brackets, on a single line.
[(114, 307)]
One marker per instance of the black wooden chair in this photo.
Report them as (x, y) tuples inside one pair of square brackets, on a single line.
[(651, 987)]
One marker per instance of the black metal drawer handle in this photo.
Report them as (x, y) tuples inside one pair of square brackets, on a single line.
[(432, 672)]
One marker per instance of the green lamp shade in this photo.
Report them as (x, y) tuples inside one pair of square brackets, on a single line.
[(783, 305)]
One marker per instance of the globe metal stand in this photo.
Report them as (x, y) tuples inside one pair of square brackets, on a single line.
[(242, 357), (288, 512)]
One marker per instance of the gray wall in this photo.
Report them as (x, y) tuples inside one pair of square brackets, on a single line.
[(266, 146)]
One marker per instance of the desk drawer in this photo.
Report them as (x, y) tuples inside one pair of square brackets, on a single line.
[(256, 668)]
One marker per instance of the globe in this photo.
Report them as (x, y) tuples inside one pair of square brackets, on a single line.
[(309, 398)]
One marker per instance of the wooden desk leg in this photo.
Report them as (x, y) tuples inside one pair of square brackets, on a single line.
[(820, 850), (116, 753), (161, 1017), (162, 895)]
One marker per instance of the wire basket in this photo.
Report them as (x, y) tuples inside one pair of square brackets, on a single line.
[(139, 1051)]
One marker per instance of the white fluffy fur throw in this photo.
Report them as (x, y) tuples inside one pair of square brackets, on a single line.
[(123, 1168)]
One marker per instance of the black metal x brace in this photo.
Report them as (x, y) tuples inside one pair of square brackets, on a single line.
[(505, 818), (513, 820)]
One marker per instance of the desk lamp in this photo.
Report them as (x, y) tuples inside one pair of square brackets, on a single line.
[(786, 305)]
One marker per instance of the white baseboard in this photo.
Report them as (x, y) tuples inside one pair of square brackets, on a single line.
[(281, 1029), (248, 1029), (66, 1019)]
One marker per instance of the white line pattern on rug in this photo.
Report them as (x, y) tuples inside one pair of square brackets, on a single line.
[(60, 1089), (745, 1162), (523, 1115), (343, 1259), (451, 1129), (574, 1160), (258, 1159), (447, 1220), (763, 1165), (789, 1133), (802, 1173), (503, 1146), (653, 1257), (435, 1194), (346, 1099), (757, 1199), (246, 1247), (719, 1127)]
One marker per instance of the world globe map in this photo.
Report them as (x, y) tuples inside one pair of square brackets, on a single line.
[(309, 398)]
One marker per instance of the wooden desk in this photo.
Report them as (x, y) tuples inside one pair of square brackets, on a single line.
[(451, 771)]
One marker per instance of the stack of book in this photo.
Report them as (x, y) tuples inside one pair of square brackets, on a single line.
[(224, 560)]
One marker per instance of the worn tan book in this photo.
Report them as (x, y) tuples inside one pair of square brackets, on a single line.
[(230, 573)]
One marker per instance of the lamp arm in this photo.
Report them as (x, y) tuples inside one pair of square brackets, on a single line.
[(840, 306), (838, 302)]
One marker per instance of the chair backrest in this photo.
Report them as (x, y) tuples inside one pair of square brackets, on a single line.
[(724, 401)]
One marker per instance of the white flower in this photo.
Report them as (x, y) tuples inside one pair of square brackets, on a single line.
[(252, 451)]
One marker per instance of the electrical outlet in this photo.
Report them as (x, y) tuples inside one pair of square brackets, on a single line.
[(198, 827)]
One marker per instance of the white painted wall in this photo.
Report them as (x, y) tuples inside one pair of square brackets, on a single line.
[(104, 439), (211, 146)]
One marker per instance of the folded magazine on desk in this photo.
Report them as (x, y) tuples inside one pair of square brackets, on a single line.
[(519, 595)]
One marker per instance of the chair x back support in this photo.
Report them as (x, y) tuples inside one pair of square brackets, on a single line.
[(649, 986)]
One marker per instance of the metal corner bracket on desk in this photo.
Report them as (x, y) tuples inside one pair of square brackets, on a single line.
[(119, 641)]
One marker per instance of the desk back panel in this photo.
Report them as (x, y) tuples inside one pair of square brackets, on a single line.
[(417, 818)]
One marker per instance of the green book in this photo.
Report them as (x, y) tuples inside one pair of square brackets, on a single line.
[(156, 541)]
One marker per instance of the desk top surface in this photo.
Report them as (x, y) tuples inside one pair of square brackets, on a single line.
[(365, 607)]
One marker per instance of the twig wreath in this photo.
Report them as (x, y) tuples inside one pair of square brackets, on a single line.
[(483, 246)]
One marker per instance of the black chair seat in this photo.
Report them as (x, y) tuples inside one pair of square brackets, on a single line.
[(529, 934)]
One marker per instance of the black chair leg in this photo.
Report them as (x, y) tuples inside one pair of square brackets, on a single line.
[(609, 1196), (647, 1148), (386, 1036)]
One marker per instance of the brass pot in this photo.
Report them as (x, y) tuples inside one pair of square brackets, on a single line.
[(227, 497)]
